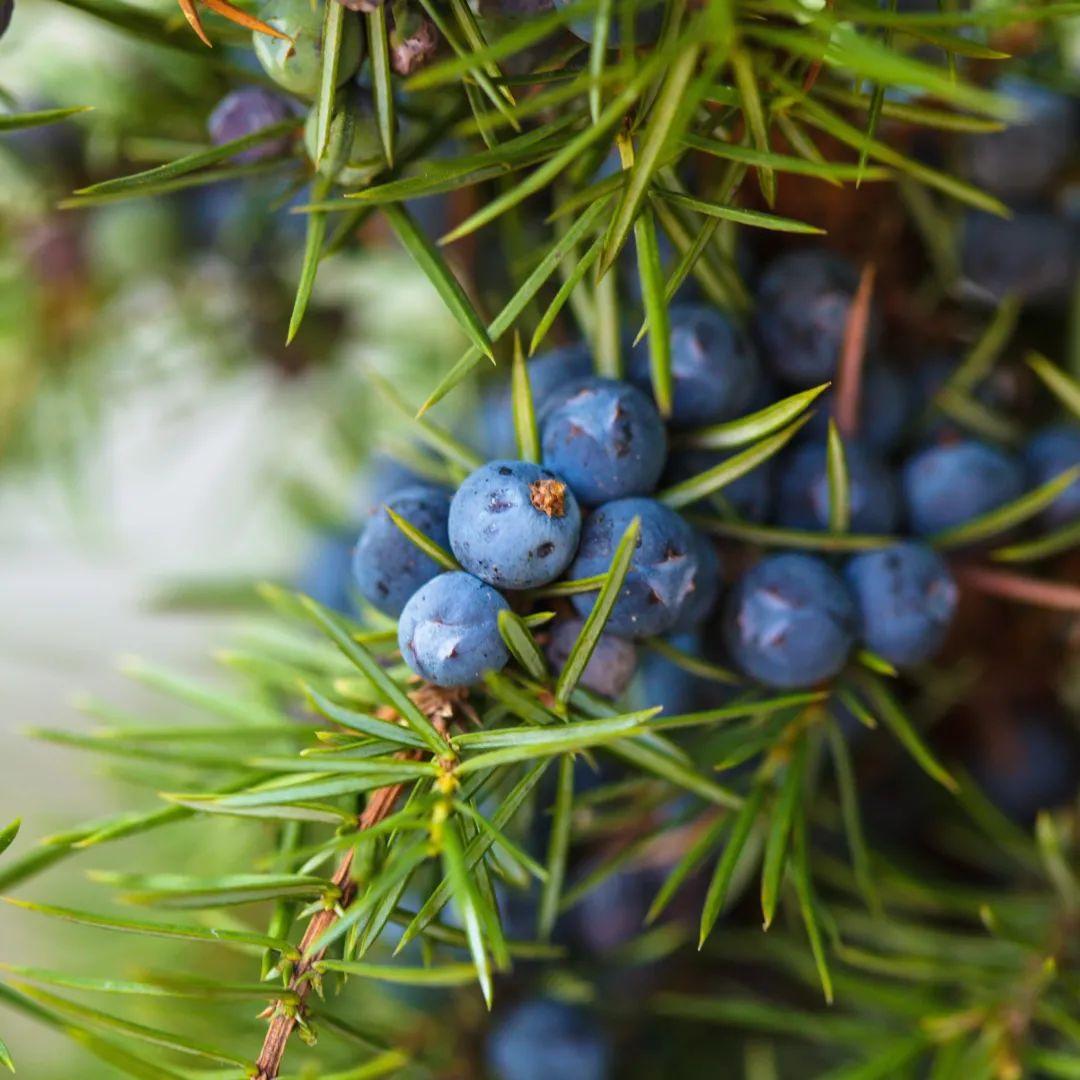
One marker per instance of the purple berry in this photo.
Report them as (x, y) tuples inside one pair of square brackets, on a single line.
[(7, 9), (611, 666), (388, 567), (244, 112), (663, 571), (946, 486), (606, 439), (514, 525), (790, 622), (715, 372), (448, 632), (906, 599)]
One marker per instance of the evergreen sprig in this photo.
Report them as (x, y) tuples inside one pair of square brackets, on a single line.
[(373, 804)]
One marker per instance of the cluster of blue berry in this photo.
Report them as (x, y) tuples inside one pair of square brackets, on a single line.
[(789, 621)]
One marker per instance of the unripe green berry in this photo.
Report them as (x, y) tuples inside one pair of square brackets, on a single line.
[(296, 64), (354, 150)]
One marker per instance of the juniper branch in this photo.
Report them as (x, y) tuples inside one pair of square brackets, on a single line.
[(286, 1018)]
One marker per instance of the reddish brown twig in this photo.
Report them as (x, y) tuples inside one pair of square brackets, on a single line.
[(852, 355), (440, 705), (815, 68), (1028, 590), (284, 1021)]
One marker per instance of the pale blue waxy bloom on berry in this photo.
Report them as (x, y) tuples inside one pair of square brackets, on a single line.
[(388, 567), (946, 486), (802, 312), (663, 570), (790, 622), (701, 602), (1048, 454), (803, 501), (514, 524), (605, 439), (906, 599), (449, 630), (548, 1040), (715, 371)]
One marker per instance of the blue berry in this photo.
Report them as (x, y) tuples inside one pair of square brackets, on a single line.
[(327, 572), (549, 373), (1033, 255), (675, 690), (541, 1039), (514, 524), (802, 311), (1050, 453), (244, 112), (946, 486), (1022, 160), (790, 621), (701, 602), (663, 570), (611, 666), (1027, 766), (606, 439), (647, 24), (714, 369), (448, 632), (906, 600), (295, 62), (612, 914), (804, 491), (388, 567), (884, 411), (750, 496), (386, 476)]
